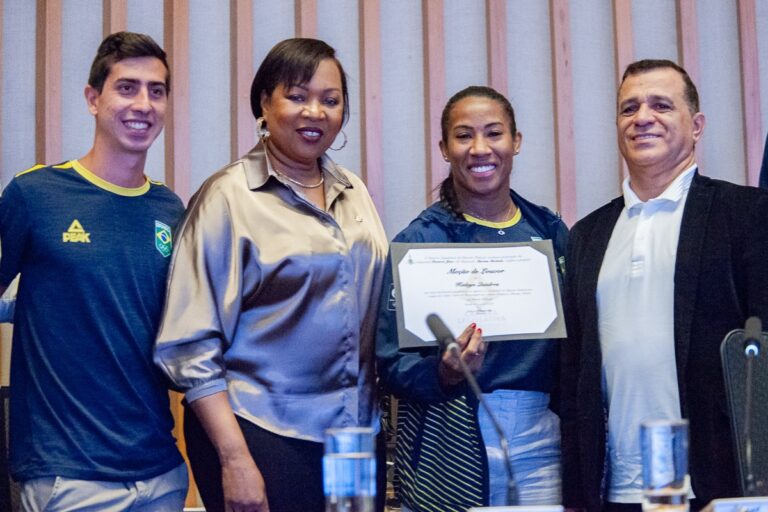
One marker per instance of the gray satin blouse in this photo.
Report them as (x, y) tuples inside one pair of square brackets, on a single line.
[(274, 300)]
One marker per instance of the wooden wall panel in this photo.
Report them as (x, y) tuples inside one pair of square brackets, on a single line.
[(434, 92), (625, 51), (115, 16), (622, 35), (688, 36), (563, 110), (241, 50), (48, 85), (750, 83), (688, 46), (370, 101), (306, 18), (177, 121), (496, 35), (177, 159)]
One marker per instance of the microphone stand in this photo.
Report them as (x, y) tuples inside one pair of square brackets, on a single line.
[(752, 334), (750, 477), (453, 347)]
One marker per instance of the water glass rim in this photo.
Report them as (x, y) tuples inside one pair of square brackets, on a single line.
[(349, 430), (659, 423)]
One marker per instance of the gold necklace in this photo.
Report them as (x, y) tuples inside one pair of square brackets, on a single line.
[(296, 182), (302, 185), (507, 214)]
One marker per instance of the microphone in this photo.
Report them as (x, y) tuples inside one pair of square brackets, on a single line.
[(752, 335), (444, 337), (448, 343)]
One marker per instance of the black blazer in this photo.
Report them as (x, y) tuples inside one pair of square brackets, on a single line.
[(764, 168), (721, 279)]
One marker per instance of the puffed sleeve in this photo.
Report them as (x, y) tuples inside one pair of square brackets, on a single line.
[(203, 299)]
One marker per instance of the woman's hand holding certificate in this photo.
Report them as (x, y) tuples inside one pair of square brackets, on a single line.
[(471, 351)]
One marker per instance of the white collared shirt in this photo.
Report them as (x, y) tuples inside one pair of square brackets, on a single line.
[(635, 301)]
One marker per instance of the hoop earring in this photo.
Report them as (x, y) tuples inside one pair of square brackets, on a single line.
[(343, 144), (262, 132)]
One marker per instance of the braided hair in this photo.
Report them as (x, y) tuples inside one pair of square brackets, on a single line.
[(448, 196)]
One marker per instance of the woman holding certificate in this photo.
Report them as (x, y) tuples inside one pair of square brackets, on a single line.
[(271, 306), (448, 455)]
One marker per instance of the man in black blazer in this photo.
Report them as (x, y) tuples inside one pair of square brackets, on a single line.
[(656, 278)]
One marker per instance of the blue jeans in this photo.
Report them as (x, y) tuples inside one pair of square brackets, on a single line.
[(163, 493), (533, 434)]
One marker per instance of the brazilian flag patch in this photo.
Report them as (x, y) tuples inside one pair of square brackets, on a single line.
[(163, 239)]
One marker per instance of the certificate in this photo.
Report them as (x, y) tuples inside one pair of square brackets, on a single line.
[(510, 290)]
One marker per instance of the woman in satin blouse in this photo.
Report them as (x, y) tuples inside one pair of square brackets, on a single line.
[(270, 315)]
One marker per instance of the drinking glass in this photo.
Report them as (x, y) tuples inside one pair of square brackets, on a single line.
[(664, 447), (349, 470)]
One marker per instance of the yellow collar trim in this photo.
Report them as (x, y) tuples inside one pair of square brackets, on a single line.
[(33, 168), (110, 187), (496, 225)]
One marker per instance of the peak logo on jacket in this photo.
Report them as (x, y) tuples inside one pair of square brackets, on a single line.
[(76, 234)]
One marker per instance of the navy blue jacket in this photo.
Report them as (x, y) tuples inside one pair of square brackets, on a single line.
[(522, 365), (447, 469)]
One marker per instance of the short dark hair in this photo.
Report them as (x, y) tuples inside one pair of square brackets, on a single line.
[(448, 196), (291, 62), (643, 66), (124, 45)]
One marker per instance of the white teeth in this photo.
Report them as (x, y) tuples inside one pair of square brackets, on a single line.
[(137, 125), (482, 168), (309, 133)]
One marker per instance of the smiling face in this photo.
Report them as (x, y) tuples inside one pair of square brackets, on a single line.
[(130, 109), (657, 131), (480, 146), (304, 119)]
